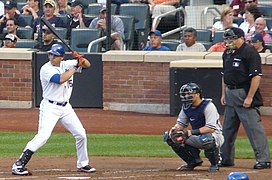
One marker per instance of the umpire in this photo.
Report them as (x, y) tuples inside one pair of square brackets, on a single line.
[(241, 96)]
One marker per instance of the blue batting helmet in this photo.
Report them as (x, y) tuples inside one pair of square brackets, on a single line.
[(57, 50), (237, 176)]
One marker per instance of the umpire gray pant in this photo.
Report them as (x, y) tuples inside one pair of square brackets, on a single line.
[(251, 120)]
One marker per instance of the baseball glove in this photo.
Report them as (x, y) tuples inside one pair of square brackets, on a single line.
[(179, 136)]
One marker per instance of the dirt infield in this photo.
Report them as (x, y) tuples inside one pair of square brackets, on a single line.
[(98, 121)]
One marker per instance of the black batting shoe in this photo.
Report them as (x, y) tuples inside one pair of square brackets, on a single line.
[(262, 165), (21, 171), (87, 169)]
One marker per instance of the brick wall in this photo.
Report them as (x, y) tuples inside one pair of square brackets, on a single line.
[(136, 82), (16, 80), (266, 85)]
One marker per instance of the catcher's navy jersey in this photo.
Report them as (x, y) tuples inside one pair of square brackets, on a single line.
[(196, 115)]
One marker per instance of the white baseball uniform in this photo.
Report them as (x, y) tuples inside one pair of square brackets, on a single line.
[(55, 107)]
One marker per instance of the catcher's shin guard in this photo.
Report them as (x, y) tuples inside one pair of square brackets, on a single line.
[(213, 155), (188, 153), (25, 157)]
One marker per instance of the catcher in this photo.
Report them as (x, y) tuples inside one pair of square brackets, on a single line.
[(206, 132)]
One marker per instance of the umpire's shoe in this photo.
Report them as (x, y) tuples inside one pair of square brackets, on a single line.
[(87, 169), (262, 165), (20, 170)]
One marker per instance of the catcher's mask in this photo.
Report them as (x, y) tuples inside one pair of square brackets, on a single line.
[(186, 94)]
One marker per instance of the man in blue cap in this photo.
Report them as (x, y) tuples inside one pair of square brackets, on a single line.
[(155, 42)]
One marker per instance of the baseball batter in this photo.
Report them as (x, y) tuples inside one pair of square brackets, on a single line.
[(57, 83), (206, 132)]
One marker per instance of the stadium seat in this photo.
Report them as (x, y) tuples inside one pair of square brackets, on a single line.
[(218, 37), (268, 22), (80, 39), (129, 29), (204, 35), (269, 46), (207, 45), (20, 5), (26, 43), (25, 33), (266, 10), (93, 9), (141, 15), (28, 18), (22, 32), (62, 32), (172, 45)]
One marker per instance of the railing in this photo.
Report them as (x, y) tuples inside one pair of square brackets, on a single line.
[(103, 39), (204, 15), (157, 18)]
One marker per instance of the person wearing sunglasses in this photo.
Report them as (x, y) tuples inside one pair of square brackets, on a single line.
[(239, 5)]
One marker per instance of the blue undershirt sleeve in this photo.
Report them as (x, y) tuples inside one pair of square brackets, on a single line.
[(55, 78)]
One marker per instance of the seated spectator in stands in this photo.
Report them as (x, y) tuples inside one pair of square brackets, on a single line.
[(9, 41), (48, 39), (190, 44), (218, 47), (257, 41), (155, 42), (226, 21), (77, 20), (251, 14), (62, 7), (116, 26), (10, 12), (247, 3), (260, 26), (12, 26), (32, 8), (158, 7), (48, 10), (237, 6)]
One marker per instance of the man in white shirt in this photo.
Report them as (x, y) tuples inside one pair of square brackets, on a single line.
[(190, 44)]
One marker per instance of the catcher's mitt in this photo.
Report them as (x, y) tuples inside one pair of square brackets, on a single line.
[(179, 136)]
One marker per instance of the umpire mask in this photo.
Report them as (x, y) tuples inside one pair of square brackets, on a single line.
[(230, 39), (186, 94)]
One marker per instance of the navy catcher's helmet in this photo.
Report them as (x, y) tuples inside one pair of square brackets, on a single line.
[(237, 176), (189, 88), (57, 50)]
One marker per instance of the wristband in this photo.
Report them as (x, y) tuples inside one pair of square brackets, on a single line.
[(195, 132)]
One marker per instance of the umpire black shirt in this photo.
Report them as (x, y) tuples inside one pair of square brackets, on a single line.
[(241, 65)]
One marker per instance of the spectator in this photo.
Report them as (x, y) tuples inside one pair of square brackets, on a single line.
[(10, 12), (62, 7), (116, 26), (78, 20), (247, 3), (155, 42), (12, 26), (218, 47), (251, 14), (238, 6), (190, 44), (9, 41), (48, 10), (260, 26), (226, 21), (158, 7), (48, 40), (257, 41), (32, 8)]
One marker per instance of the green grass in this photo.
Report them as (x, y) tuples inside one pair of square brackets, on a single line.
[(63, 144)]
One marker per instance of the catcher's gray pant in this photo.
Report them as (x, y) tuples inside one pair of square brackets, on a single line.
[(250, 118)]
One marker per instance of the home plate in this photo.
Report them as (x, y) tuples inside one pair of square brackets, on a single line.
[(74, 177)]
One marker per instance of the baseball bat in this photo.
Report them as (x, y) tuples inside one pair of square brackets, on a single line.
[(53, 30)]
